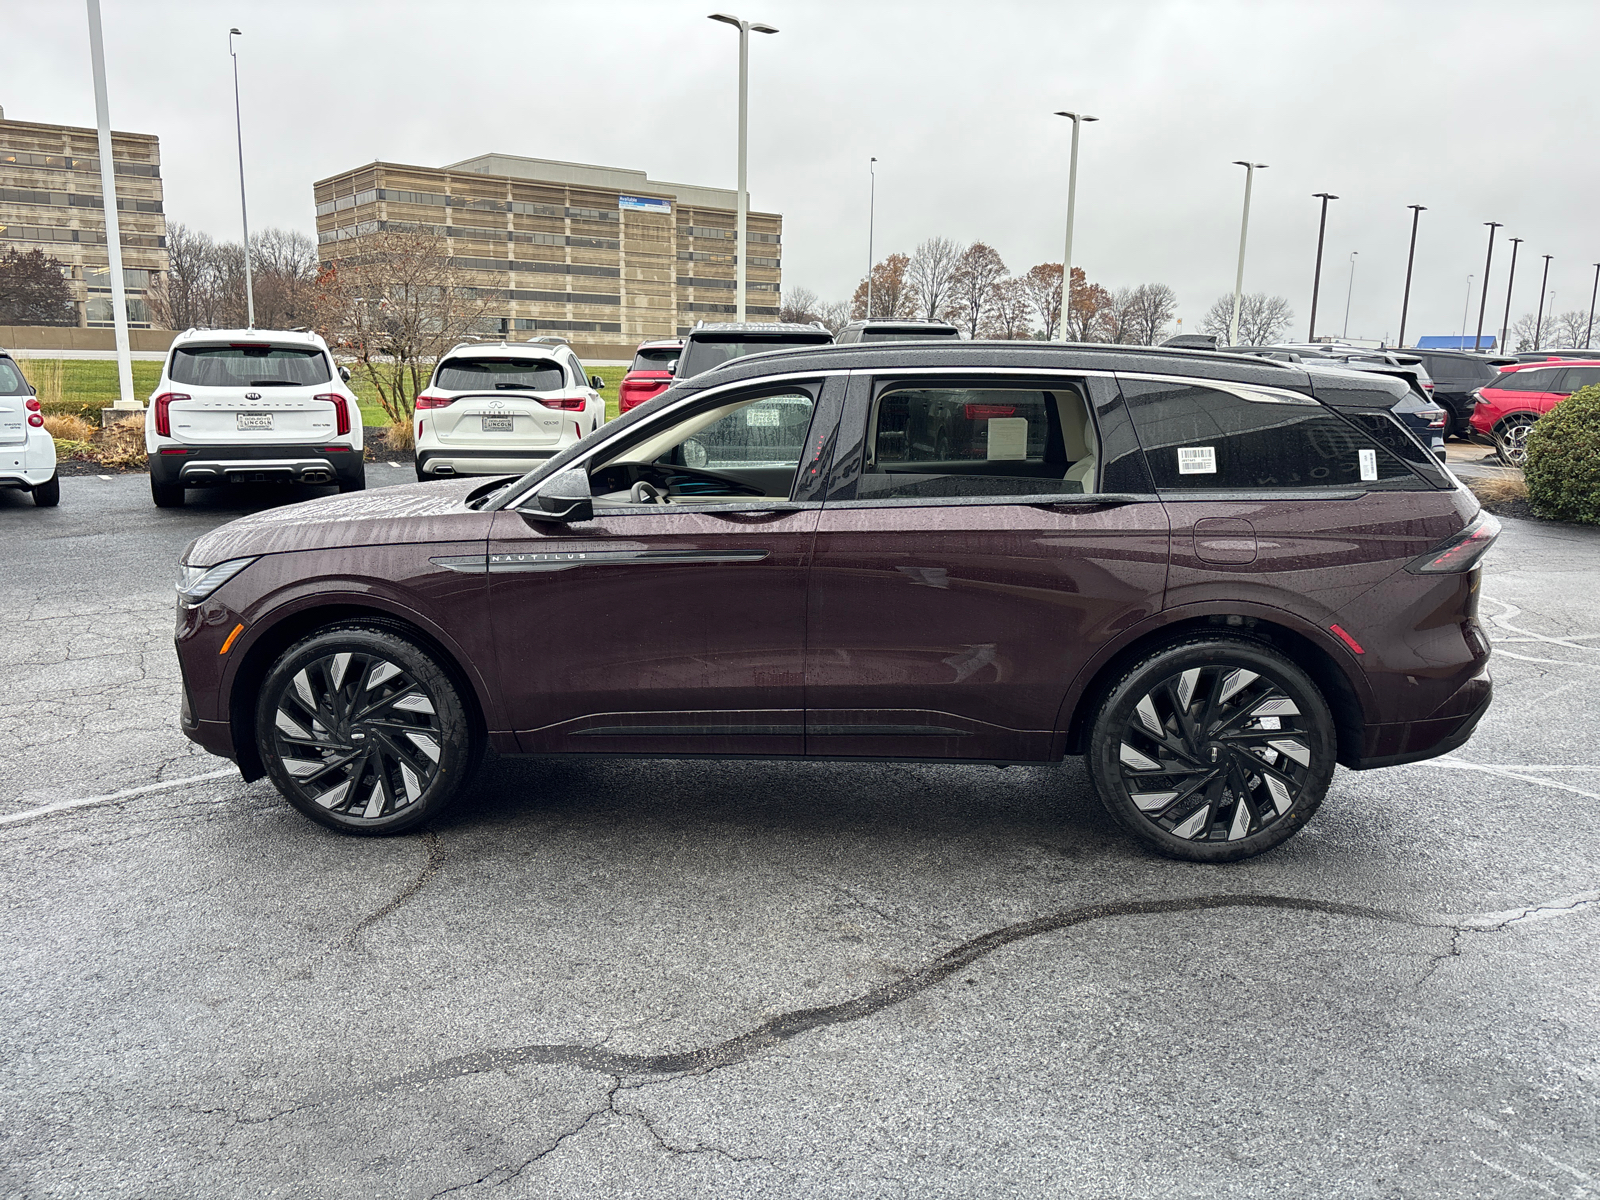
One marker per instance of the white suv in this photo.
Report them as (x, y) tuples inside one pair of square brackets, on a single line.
[(251, 406), (501, 409), (27, 451)]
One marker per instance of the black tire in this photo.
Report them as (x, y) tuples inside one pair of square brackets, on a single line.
[(1511, 438), (358, 719), (166, 495), (354, 483), (421, 478), (48, 493), (1233, 785)]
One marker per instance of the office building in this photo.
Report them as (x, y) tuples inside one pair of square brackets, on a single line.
[(604, 256), (50, 201)]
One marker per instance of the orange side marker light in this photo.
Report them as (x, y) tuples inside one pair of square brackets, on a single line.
[(228, 645)]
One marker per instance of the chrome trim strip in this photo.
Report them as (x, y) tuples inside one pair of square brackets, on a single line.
[(566, 560), (465, 563)]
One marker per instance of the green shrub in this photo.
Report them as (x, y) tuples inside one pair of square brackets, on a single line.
[(1563, 467)]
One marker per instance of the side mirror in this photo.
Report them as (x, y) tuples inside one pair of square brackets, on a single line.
[(344, 374), (565, 497), (597, 383), (672, 367)]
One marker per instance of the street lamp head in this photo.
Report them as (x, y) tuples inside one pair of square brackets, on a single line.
[(1419, 207), (762, 29), (1494, 224), (239, 32), (1077, 116), (1323, 196), (1249, 166), (726, 20)]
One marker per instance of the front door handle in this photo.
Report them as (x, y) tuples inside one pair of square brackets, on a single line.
[(745, 516)]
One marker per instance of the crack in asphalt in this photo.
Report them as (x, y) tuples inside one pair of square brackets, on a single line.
[(430, 868), (786, 1026)]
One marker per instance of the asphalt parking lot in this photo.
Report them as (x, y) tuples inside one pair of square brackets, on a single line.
[(746, 979)]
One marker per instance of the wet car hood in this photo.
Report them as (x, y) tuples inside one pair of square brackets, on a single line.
[(417, 512)]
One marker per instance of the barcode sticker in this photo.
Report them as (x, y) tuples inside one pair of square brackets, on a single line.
[(1197, 460), (1369, 464)]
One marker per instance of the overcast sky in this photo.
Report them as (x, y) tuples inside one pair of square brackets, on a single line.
[(1479, 111)]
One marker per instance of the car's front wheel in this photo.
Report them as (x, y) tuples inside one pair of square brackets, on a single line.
[(1213, 750), (1511, 438), (364, 731)]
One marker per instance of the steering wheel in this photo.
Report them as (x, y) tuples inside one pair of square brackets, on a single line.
[(645, 492)]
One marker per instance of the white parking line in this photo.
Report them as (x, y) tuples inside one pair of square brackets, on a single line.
[(112, 798)]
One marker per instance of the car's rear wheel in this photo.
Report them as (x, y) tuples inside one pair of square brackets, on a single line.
[(356, 482), (1213, 750), (48, 493), (364, 731), (166, 495), (1511, 438)]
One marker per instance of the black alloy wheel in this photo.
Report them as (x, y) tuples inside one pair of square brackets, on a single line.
[(360, 729), (1213, 750), (1511, 439)]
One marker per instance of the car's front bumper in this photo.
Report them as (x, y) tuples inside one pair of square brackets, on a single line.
[(214, 466)]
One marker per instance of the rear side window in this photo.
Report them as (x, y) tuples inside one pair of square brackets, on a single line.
[(248, 366), (491, 374), (1525, 381), (941, 442), (1199, 438), (11, 381), (654, 360)]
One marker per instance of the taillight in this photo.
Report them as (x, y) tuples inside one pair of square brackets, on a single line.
[(36, 420), (341, 411), (1428, 386), (163, 419), (426, 400), (982, 412), (1436, 417), (31, 404), (564, 405), (1461, 552)]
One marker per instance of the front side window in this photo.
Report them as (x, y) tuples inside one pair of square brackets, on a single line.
[(947, 442), (249, 366), (499, 374), (1203, 438)]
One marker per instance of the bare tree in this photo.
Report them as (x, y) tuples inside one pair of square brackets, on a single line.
[(931, 273), (834, 315), (284, 264), (1117, 320), (891, 293), (396, 303), (799, 305), (1088, 316), (1009, 312), (1042, 286), (1262, 318), (1154, 305), (978, 269), (185, 295), (1522, 335), (1569, 328)]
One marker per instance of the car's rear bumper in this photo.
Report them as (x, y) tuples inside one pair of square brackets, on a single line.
[(213, 466), (1449, 726), (481, 462), (28, 463)]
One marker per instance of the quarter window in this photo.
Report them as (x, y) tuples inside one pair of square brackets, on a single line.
[(948, 442), (1200, 438)]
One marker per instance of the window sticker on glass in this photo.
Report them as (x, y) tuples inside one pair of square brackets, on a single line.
[(755, 417), (1197, 460), (1369, 464), (1008, 438)]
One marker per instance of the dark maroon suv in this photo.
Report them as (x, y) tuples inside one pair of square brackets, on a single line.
[(1213, 576)]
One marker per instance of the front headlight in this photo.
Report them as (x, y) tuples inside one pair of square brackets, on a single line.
[(197, 583)]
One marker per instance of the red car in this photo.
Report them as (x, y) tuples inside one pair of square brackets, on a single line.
[(650, 374), (1506, 408)]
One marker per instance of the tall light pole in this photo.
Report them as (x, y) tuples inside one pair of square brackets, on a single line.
[(744, 28), (1250, 170), (1077, 120), (872, 212), (1316, 277), (1593, 292), (1349, 292), (1538, 322), (244, 214), (1411, 256), (1511, 278), (1461, 338), (1477, 340), (108, 198)]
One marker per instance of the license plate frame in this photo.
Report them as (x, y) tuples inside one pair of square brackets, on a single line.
[(499, 423), (253, 422)]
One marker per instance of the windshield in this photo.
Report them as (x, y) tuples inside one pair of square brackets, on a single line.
[(655, 359), (249, 366), (488, 374), (701, 356), (11, 381)]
